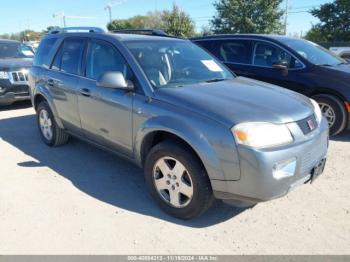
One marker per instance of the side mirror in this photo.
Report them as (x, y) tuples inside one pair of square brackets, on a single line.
[(114, 80), (282, 66)]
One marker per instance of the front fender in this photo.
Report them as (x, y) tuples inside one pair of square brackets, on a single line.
[(199, 141)]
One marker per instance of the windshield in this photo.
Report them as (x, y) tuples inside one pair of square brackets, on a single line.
[(173, 63), (313, 52), (15, 50)]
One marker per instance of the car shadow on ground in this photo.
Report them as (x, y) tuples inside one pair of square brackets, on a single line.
[(343, 137), (17, 105), (97, 173)]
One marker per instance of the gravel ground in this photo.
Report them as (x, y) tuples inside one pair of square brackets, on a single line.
[(77, 199)]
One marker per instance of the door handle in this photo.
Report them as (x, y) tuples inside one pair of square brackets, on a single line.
[(51, 82), (85, 92)]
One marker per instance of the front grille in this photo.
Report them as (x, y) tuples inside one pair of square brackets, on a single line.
[(312, 157), (20, 89), (308, 125), (19, 78)]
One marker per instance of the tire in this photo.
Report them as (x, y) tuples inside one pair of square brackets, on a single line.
[(336, 106), (58, 136), (193, 176)]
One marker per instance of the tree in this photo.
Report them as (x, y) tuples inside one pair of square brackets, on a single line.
[(119, 24), (5, 36), (30, 35), (206, 30), (151, 20), (334, 21), (26, 35), (49, 28), (177, 22), (247, 16), (316, 35), (174, 22)]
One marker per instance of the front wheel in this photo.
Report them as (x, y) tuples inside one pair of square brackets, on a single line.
[(334, 111), (177, 181)]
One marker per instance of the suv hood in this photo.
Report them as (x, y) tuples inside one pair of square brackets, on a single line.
[(240, 100), (13, 64)]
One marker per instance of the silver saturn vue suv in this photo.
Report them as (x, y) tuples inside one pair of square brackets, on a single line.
[(198, 131)]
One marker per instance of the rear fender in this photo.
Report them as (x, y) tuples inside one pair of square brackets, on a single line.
[(42, 90)]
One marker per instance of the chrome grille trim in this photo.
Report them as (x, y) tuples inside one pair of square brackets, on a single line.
[(18, 78)]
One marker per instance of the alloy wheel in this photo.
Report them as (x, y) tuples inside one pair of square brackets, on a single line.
[(328, 113), (173, 182), (45, 124)]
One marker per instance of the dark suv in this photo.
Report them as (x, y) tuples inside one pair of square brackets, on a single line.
[(296, 64), (15, 60), (198, 131)]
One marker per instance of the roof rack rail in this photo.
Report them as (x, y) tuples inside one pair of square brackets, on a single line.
[(59, 30), (154, 32)]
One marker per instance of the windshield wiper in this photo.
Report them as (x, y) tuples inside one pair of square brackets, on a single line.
[(324, 65), (215, 80)]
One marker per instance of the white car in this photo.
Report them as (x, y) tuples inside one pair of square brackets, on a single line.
[(343, 52)]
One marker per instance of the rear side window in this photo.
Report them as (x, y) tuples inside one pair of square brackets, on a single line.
[(230, 51), (68, 58), (234, 51), (42, 55)]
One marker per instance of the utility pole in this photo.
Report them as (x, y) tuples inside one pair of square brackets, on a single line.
[(109, 6), (61, 14), (286, 17), (109, 9), (64, 20), (64, 17)]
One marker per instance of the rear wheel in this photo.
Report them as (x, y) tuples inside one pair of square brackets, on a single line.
[(334, 111), (50, 132), (177, 181)]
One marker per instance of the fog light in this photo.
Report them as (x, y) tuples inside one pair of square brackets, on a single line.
[(285, 169)]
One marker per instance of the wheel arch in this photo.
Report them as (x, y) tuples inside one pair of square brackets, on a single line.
[(42, 95), (328, 91), (342, 101), (159, 129)]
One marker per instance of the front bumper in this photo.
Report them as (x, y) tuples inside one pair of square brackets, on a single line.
[(9, 98), (12, 93), (257, 183)]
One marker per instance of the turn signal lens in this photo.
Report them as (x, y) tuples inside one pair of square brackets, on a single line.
[(241, 135), (347, 105)]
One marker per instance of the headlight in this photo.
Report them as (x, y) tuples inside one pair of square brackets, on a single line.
[(262, 135), (4, 75), (317, 109)]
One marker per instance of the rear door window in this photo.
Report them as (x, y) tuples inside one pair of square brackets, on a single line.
[(230, 51), (234, 51), (69, 57)]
